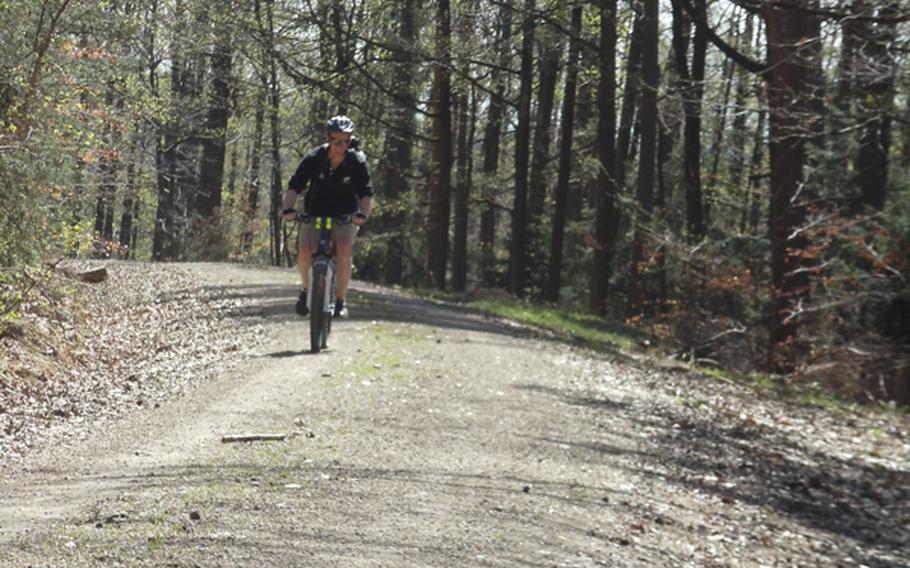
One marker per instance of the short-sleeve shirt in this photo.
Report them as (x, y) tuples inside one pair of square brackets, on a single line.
[(332, 192)]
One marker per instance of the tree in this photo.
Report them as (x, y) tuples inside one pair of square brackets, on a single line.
[(491, 146), (465, 143), (646, 166), (629, 95), (400, 141), (875, 76), (692, 88), (790, 32), (207, 205), (607, 211), (518, 248), (567, 124), (540, 155), (441, 160)]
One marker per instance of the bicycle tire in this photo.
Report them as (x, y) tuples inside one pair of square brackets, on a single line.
[(317, 311), (326, 329), (330, 309)]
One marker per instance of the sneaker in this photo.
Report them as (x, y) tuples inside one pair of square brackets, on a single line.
[(301, 304), (340, 310)]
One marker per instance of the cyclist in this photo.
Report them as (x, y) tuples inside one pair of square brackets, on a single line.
[(339, 184)]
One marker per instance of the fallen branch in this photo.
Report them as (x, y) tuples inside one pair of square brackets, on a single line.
[(254, 438)]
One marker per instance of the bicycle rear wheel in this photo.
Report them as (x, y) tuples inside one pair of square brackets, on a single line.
[(317, 311)]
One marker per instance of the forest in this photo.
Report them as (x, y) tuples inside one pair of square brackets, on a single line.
[(730, 176)]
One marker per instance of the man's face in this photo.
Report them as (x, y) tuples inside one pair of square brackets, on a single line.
[(338, 143)]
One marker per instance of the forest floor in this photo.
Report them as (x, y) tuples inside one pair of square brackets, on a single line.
[(427, 435)]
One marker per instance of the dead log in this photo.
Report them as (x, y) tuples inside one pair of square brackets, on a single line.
[(93, 276), (254, 438)]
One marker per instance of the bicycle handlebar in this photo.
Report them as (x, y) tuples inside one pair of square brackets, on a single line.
[(306, 219)]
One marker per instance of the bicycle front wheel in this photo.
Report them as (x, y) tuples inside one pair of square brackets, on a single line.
[(317, 311), (330, 308)]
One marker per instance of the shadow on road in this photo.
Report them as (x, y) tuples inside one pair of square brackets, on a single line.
[(737, 461), (276, 303)]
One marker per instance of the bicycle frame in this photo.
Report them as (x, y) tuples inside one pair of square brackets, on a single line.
[(323, 261)]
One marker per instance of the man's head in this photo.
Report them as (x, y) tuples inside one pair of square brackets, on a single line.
[(339, 130)]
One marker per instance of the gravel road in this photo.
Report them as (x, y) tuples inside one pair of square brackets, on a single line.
[(431, 436)]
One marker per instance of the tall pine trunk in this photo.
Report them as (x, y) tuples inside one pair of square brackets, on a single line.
[(692, 88), (791, 34), (518, 249), (567, 124), (490, 150), (400, 141), (540, 156), (207, 205), (650, 74), (267, 30), (129, 215), (629, 96), (463, 152), (441, 155), (255, 177), (876, 71), (607, 211)]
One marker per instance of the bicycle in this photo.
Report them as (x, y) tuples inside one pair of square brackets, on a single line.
[(321, 297)]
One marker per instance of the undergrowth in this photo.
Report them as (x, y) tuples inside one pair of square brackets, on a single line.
[(600, 335)]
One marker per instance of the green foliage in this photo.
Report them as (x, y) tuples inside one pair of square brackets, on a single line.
[(10, 299), (592, 331)]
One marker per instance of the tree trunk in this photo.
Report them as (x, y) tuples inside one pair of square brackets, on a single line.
[(275, 128), (668, 131), (875, 96), (128, 216), (518, 249), (165, 245), (537, 184), (230, 188), (650, 74), (607, 212), (629, 94), (207, 207), (719, 145), (462, 195), (756, 172), (400, 142), (255, 179), (108, 170), (439, 185), (565, 159), (692, 87), (790, 35), (165, 156), (490, 150), (737, 164), (462, 177), (267, 29)]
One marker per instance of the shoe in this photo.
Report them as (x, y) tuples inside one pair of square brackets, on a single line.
[(340, 310), (301, 304)]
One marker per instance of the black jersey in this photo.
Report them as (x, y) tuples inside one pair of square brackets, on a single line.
[(332, 192)]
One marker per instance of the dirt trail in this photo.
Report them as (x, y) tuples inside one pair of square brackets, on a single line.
[(428, 436)]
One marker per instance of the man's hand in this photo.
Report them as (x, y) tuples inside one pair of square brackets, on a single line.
[(359, 218), (289, 214)]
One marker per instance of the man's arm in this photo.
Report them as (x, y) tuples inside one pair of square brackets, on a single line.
[(290, 198), (298, 183), (364, 206), (365, 192)]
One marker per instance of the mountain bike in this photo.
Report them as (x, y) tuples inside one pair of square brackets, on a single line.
[(321, 297)]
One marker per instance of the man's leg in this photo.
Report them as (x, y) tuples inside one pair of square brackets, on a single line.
[(305, 249), (344, 246)]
